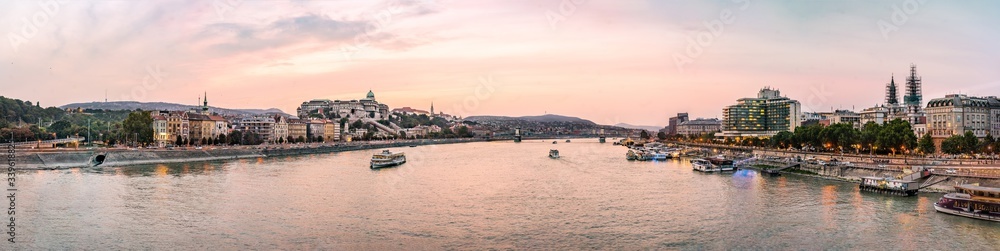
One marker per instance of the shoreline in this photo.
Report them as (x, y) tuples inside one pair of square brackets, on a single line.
[(62, 160)]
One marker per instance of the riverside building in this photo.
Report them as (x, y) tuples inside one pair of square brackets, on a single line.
[(764, 116), (327, 109), (956, 114)]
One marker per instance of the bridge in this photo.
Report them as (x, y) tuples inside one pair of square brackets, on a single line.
[(47, 143)]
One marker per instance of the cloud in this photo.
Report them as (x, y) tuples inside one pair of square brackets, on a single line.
[(248, 38)]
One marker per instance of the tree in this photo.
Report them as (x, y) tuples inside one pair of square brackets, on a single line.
[(926, 145), (319, 139), (463, 131), (180, 141), (661, 135), (838, 136), (222, 139), (970, 143), (290, 139), (235, 138), (869, 136), (139, 124), (301, 139), (987, 145), (644, 134), (897, 135), (62, 128), (809, 135), (781, 140), (952, 145)]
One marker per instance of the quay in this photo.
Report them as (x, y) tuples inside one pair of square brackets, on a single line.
[(936, 175), (52, 160)]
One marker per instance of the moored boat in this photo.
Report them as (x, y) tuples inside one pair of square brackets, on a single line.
[(972, 201), (716, 164), (554, 154), (387, 159)]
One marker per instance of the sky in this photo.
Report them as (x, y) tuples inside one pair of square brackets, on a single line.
[(610, 61)]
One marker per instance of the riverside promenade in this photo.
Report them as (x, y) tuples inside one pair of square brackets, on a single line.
[(851, 167), (104, 157)]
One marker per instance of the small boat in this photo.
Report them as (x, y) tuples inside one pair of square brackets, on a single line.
[(413, 145), (972, 201), (553, 142), (567, 141), (554, 154), (387, 159)]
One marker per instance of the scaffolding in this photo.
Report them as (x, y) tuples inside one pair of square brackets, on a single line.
[(891, 93)]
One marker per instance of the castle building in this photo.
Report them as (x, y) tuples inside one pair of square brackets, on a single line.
[(329, 109)]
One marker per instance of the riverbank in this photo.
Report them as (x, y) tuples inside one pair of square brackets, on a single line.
[(865, 166), (53, 160)]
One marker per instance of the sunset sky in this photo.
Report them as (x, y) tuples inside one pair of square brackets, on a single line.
[(610, 61)]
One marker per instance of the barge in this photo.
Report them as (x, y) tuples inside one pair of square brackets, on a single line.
[(889, 186), (971, 201)]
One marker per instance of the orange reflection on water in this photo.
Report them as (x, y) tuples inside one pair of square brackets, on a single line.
[(208, 167), (922, 204), (161, 170), (829, 200)]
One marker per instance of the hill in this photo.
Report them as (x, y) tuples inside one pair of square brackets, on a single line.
[(16, 111), (149, 106), (540, 118)]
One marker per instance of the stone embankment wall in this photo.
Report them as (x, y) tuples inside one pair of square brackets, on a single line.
[(854, 174), (79, 159)]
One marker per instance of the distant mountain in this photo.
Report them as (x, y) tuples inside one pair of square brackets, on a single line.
[(132, 105), (647, 128), (540, 118)]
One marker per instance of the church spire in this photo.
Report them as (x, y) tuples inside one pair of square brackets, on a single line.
[(204, 105)]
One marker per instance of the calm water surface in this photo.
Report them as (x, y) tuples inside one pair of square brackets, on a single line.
[(471, 196)]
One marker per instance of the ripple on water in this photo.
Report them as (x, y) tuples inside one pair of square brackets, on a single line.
[(495, 195)]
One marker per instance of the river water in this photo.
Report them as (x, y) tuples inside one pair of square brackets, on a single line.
[(487, 195)]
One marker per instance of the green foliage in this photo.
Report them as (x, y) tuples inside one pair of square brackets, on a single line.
[(661, 135), (139, 124), (236, 138), (926, 145), (644, 134), (14, 111), (952, 145)]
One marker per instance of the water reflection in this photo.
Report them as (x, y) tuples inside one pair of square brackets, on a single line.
[(829, 201), (474, 196)]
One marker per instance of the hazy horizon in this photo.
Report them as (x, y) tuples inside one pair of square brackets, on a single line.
[(634, 62)]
